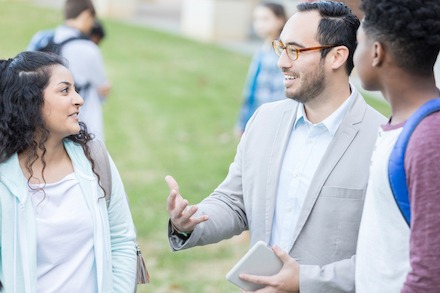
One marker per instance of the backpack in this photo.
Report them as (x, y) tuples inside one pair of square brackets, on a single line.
[(44, 42), (396, 168), (99, 154)]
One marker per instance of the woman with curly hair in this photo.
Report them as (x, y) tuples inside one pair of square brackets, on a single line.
[(57, 234)]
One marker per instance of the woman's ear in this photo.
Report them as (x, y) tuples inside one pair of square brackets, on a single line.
[(339, 57)]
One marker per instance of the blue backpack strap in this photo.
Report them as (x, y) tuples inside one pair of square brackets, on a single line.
[(396, 168)]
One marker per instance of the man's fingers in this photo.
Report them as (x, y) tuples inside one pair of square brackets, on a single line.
[(193, 222), (187, 217), (199, 220), (261, 280), (178, 210), (186, 214), (263, 290), (171, 201), (172, 183), (282, 255)]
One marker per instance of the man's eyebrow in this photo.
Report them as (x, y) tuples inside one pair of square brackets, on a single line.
[(295, 44)]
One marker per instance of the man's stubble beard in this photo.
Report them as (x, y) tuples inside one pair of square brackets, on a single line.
[(311, 87)]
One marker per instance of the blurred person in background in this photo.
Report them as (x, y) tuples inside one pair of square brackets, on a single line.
[(264, 82), (57, 233), (84, 57)]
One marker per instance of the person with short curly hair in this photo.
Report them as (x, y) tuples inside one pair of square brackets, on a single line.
[(398, 44), (57, 234)]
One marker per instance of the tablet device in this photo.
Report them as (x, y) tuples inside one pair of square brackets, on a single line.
[(260, 260)]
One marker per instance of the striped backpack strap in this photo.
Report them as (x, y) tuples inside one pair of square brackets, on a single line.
[(99, 154), (396, 168)]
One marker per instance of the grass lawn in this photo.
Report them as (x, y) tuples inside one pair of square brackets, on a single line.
[(171, 111)]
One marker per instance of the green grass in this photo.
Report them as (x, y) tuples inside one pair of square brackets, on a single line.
[(171, 111)]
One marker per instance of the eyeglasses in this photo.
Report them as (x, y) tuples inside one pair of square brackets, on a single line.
[(292, 51)]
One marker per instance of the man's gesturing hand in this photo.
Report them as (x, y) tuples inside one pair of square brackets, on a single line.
[(180, 215)]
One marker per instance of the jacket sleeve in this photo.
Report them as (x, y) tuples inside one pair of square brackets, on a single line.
[(335, 277), (122, 237)]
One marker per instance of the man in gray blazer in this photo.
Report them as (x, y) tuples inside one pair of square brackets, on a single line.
[(299, 177)]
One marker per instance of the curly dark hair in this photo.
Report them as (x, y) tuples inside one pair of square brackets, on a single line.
[(409, 28), (338, 26), (23, 80)]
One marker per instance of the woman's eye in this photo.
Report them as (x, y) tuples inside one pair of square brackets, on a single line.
[(65, 90)]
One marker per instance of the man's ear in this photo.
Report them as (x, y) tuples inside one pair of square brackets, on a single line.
[(378, 54), (339, 56)]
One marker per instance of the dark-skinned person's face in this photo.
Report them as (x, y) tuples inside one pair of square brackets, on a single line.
[(363, 60)]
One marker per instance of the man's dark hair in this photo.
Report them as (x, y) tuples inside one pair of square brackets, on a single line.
[(338, 26), (97, 29), (409, 28), (73, 8)]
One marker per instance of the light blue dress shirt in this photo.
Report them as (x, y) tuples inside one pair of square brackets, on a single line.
[(306, 147)]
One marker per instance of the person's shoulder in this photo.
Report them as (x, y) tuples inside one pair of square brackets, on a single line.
[(423, 144), (270, 114), (85, 44), (40, 39), (427, 131), (82, 48), (44, 33)]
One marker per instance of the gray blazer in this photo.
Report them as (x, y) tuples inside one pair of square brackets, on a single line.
[(324, 242)]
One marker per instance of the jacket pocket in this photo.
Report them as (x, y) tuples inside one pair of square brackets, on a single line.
[(339, 192)]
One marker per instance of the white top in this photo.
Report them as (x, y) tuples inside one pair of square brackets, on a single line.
[(382, 257), (87, 66), (307, 145), (64, 225)]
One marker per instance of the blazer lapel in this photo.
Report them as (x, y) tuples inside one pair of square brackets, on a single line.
[(336, 149), (276, 158)]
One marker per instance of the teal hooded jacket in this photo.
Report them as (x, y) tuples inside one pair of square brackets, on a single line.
[(114, 232)]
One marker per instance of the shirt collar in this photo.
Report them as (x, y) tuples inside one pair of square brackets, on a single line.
[(333, 121)]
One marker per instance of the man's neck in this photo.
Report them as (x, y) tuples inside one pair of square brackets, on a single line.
[(327, 103), (73, 24)]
